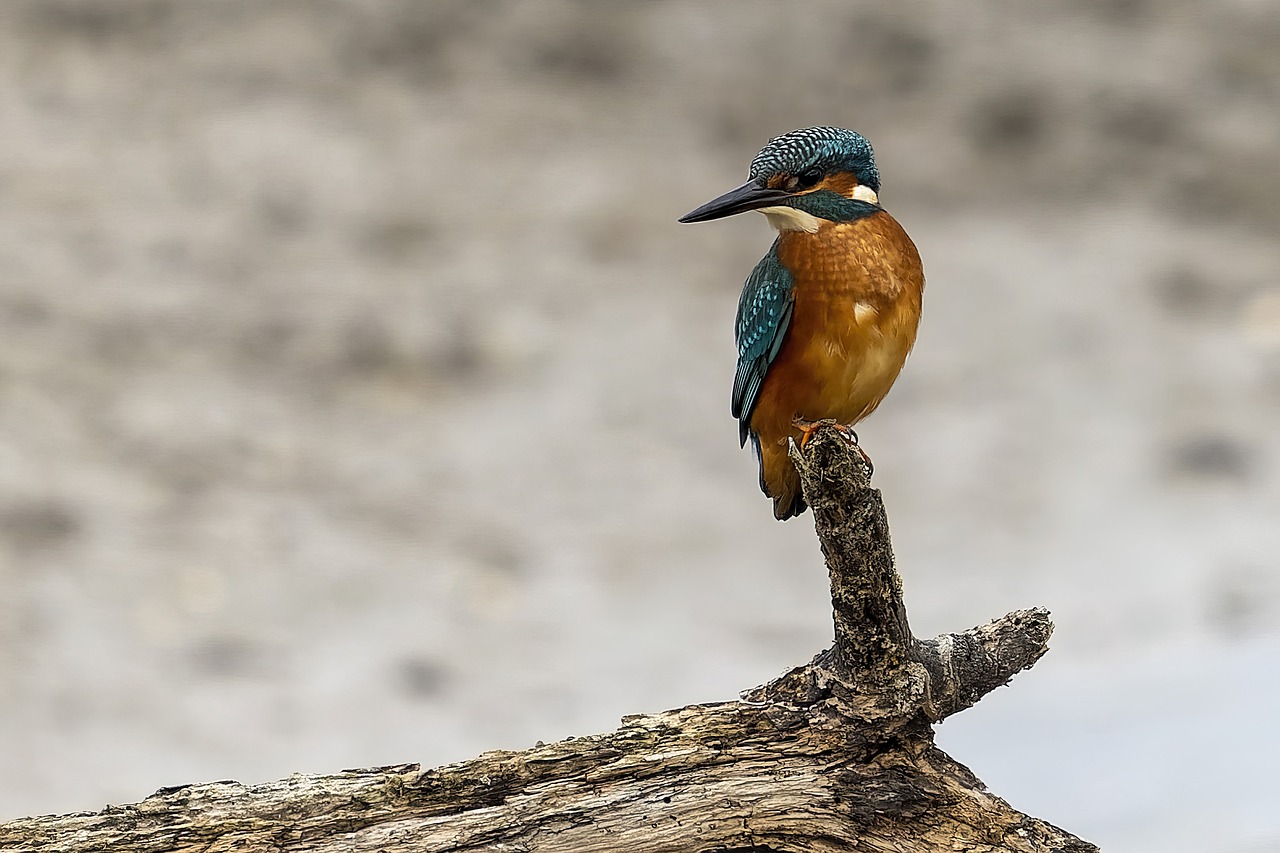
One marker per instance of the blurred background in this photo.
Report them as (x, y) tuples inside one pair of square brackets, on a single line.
[(362, 402)]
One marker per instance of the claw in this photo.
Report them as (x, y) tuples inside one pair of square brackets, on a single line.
[(808, 428), (871, 468)]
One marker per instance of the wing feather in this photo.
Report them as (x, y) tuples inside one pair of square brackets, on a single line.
[(764, 315)]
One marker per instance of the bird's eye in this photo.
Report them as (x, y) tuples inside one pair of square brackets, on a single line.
[(808, 178)]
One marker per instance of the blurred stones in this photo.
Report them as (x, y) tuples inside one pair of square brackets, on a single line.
[(455, 354), (410, 39), (37, 525), (893, 56), (493, 575), (1210, 456), (425, 42), (225, 657), (1252, 65), (1193, 297), (283, 212), (128, 341), (1010, 123), (578, 53), (611, 236), (1128, 13), (370, 348), (366, 347), (95, 22), (422, 677), (1241, 601), (457, 351), (1186, 293), (1142, 123), (24, 310), (267, 342), (398, 238)]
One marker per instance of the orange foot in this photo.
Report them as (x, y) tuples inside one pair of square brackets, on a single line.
[(808, 428)]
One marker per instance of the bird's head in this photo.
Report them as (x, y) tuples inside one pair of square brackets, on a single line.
[(802, 178)]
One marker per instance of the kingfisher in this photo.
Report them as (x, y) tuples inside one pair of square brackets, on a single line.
[(827, 318)]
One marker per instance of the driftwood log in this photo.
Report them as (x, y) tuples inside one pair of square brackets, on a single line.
[(837, 754)]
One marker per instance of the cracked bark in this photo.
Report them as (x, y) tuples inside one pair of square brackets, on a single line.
[(835, 754)]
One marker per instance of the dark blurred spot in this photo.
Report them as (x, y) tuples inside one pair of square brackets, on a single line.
[(458, 354), (1144, 123), (170, 253), (224, 656), (1014, 122), (422, 678), (397, 238), (498, 552), (283, 214), (412, 39), (1185, 292), (367, 347), (1210, 456), (610, 238), (414, 49), (37, 525), (124, 340), (191, 471), (594, 44), (1251, 66), (94, 21), (268, 341), (1240, 186), (579, 57), (1126, 12), (1231, 607), (371, 349), (891, 59), (23, 310), (1240, 602), (733, 130), (908, 61), (1201, 196)]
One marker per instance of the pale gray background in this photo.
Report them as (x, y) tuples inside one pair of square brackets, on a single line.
[(362, 402)]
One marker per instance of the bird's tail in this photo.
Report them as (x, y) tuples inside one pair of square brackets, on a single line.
[(789, 504), (779, 479)]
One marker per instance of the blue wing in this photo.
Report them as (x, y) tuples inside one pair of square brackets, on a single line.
[(764, 313)]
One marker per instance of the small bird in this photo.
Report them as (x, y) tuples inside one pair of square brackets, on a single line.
[(828, 316)]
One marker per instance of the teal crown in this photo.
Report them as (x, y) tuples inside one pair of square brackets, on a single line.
[(830, 149)]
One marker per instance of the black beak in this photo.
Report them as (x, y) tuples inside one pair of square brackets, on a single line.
[(750, 196)]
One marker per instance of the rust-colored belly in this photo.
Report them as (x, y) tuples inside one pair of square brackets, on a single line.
[(858, 288)]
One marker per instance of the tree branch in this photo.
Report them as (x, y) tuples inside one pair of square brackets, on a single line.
[(833, 754)]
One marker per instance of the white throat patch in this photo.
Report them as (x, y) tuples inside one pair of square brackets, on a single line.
[(790, 219)]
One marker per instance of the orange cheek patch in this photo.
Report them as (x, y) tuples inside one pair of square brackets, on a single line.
[(840, 182)]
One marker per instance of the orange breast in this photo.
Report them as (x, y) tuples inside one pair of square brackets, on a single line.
[(858, 287)]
